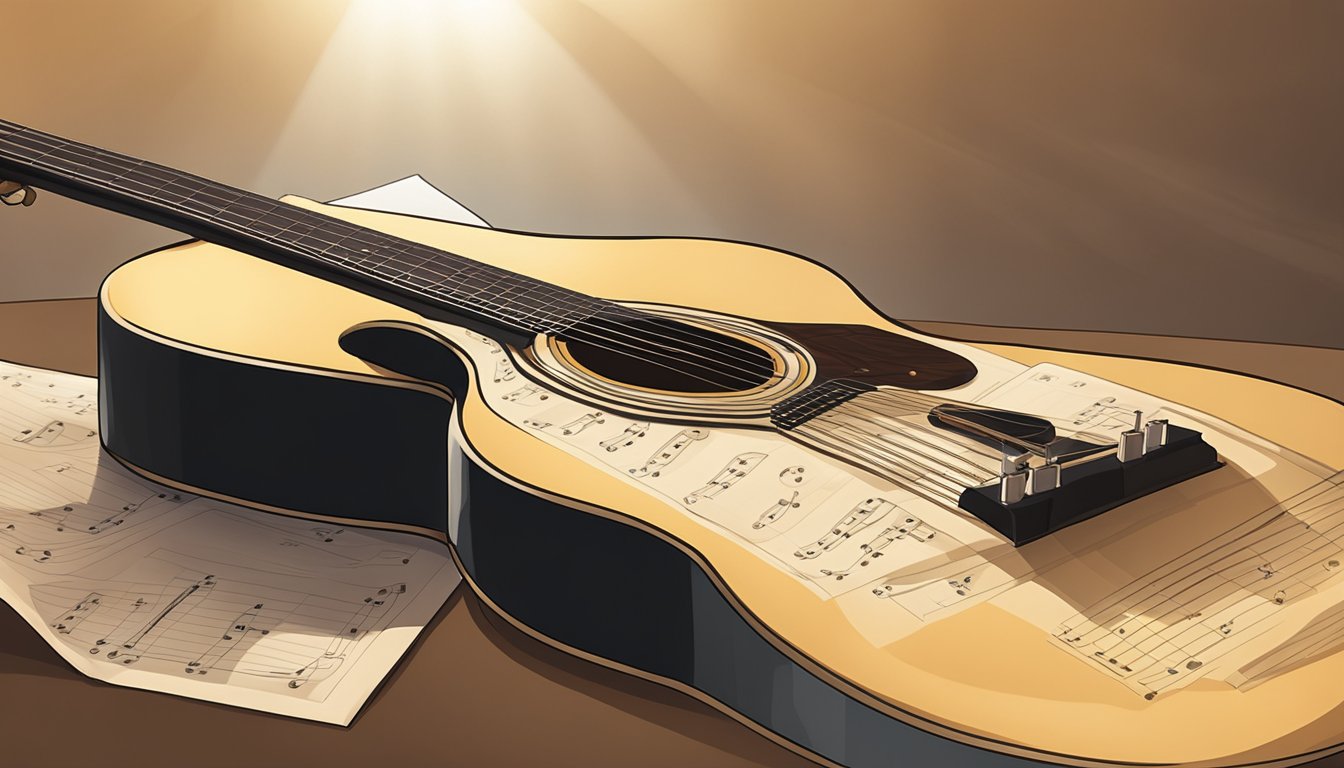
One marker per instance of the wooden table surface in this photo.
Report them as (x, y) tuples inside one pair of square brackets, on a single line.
[(472, 691)]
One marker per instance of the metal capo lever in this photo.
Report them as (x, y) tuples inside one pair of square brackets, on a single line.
[(14, 193)]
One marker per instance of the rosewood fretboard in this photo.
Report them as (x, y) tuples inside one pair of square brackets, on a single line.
[(290, 235)]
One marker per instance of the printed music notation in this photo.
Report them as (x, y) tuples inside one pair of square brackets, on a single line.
[(808, 517), (1165, 629), (142, 585), (899, 555)]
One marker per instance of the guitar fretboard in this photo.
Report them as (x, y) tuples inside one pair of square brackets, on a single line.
[(278, 231)]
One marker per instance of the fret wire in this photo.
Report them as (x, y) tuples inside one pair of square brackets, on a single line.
[(474, 281), (397, 259), (427, 259), (408, 250), (396, 256), (276, 236), (18, 138), (269, 229), (240, 215), (229, 199), (123, 180), (487, 289)]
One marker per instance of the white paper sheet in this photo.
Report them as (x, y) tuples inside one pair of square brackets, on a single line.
[(135, 584)]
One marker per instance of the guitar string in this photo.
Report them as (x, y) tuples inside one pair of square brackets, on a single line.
[(497, 279), (909, 463), (607, 310), (270, 214), (877, 414), (1311, 642), (1154, 588), (1183, 648), (891, 453), (1290, 515), (219, 191), (276, 209), (880, 435), (914, 402), (478, 305), (1116, 602), (471, 303), (1184, 602), (898, 397)]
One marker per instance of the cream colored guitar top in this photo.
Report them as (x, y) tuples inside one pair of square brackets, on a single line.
[(1204, 625)]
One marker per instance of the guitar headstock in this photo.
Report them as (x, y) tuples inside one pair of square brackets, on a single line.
[(16, 193)]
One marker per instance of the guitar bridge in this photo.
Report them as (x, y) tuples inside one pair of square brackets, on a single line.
[(1010, 470)]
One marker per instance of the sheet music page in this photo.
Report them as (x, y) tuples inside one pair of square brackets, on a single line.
[(136, 584)]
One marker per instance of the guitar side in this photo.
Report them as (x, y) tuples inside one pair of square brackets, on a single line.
[(209, 303)]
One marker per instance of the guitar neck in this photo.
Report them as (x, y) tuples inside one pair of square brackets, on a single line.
[(393, 268)]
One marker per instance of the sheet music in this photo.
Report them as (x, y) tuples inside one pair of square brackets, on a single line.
[(139, 585), (135, 584)]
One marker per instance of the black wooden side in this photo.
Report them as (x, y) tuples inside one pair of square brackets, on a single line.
[(299, 441), (617, 592)]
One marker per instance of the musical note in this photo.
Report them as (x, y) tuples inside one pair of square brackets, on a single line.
[(528, 394), (961, 587), (583, 422), (863, 514), (122, 656), (1164, 678), (77, 614), (1105, 414), (115, 519), (793, 476), (736, 469), (911, 527), (775, 511), (504, 370), (486, 340), (629, 437), (669, 452), (374, 605), (78, 405), (45, 436), (230, 639), (206, 583), (38, 555)]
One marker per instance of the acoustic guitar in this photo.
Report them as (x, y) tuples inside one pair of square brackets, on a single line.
[(714, 465)]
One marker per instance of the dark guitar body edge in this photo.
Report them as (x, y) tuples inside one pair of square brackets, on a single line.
[(379, 453), (323, 444)]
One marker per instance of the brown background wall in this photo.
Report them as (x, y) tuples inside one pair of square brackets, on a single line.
[(1030, 163)]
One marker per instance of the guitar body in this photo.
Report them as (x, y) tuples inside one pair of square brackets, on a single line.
[(231, 376)]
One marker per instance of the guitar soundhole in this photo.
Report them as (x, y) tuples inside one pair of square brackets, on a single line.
[(661, 354)]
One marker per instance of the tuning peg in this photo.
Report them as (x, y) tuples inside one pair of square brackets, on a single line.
[(14, 193)]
